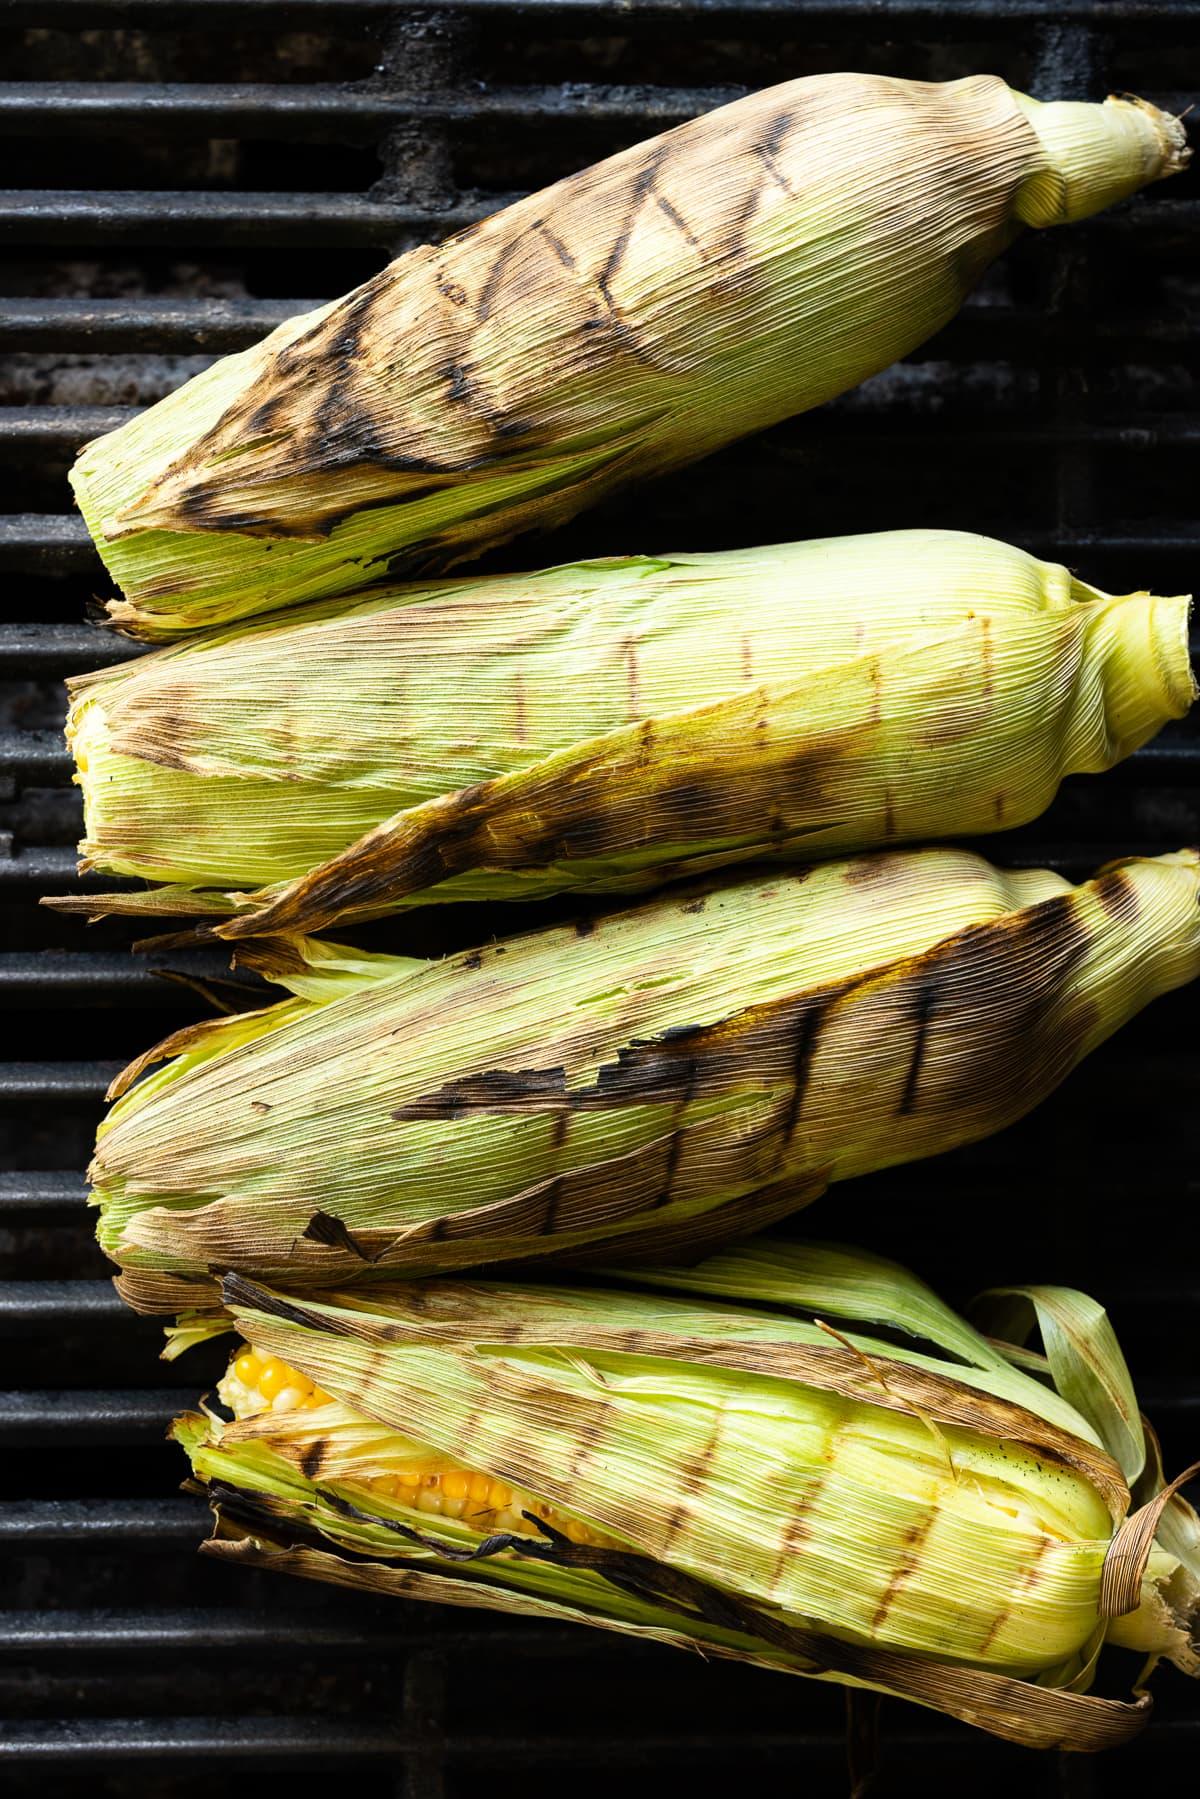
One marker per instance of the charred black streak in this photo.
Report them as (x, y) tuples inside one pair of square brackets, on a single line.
[(986, 655), (554, 1193), (584, 927), (747, 662), (923, 1011), (766, 156), (556, 244), (483, 305), (313, 1458), (324, 1228), (808, 1032), (237, 1290), (259, 1105), (474, 960), (642, 186), (694, 906), (681, 225)]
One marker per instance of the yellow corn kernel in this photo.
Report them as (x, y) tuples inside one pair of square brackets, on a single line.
[(248, 1368), (273, 1378), (481, 1487), (456, 1484)]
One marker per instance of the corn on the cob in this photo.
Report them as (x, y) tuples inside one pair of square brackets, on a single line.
[(670, 1076), (599, 726), (928, 1520), (634, 317)]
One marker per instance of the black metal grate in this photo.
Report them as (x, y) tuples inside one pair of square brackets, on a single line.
[(183, 176)]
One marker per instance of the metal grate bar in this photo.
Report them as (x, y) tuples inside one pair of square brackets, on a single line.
[(41, 427), (49, 651), (889, 13), (45, 543), (80, 1634), (41, 1191), (258, 221), (115, 978), (56, 1083), (49, 870), (103, 1523), (54, 1419), (290, 109), (227, 1740), (27, 1306), (172, 326)]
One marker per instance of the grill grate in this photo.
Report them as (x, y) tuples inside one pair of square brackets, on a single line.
[(185, 174)]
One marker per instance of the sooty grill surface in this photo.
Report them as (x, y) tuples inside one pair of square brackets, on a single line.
[(179, 178)]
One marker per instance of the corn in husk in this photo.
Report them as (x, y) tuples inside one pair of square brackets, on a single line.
[(604, 726), (660, 1080), (712, 1463), (632, 318)]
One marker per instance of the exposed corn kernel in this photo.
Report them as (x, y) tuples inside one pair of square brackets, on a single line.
[(274, 1377), (258, 1383)]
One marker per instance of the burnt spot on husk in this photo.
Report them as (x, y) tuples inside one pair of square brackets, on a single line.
[(312, 1458), (907, 1563), (496, 1090), (1117, 894), (324, 1228)]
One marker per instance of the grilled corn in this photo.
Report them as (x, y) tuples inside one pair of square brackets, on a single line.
[(601, 726), (634, 317), (711, 1470), (670, 1076)]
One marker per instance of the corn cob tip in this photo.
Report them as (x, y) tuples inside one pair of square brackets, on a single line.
[(1097, 155)]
